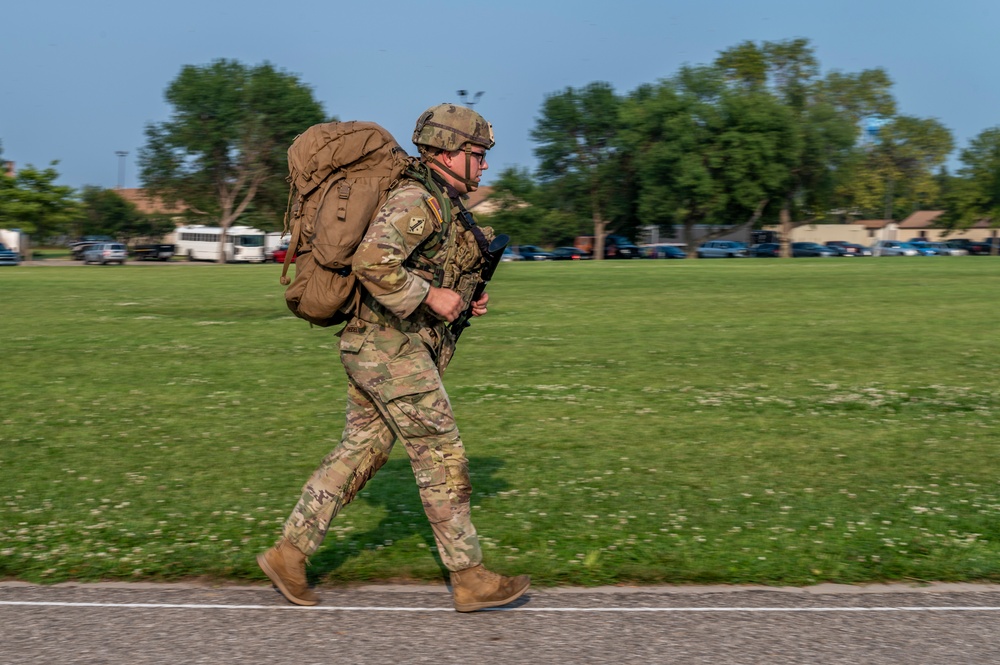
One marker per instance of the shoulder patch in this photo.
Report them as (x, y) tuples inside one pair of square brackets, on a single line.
[(435, 207), (416, 225)]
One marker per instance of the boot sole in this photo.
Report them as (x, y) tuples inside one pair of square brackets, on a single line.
[(472, 607), (277, 581)]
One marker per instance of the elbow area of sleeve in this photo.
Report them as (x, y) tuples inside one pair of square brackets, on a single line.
[(403, 301)]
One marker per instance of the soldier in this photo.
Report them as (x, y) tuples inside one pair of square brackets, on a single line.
[(419, 264)]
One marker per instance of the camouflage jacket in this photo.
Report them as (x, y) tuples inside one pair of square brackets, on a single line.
[(411, 245)]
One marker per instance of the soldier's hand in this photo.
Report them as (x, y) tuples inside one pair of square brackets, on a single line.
[(444, 302), (479, 307)]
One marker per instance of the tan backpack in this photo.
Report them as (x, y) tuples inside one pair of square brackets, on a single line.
[(340, 175)]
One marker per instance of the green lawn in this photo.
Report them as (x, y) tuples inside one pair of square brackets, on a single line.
[(768, 421)]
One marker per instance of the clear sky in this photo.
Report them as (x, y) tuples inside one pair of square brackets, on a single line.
[(82, 78)]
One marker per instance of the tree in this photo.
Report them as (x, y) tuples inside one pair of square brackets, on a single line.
[(897, 175), (32, 202), (517, 212), (705, 153), (980, 181), (824, 116), (223, 152), (105, 212), (7, 190), (576, 135), (523, 211)]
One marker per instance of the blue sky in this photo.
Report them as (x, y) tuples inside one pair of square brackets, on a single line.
[(82, 79)]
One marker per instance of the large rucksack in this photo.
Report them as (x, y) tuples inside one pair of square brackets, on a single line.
[(340, 175)]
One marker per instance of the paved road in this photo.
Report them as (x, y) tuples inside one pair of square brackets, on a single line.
[(139, 624)]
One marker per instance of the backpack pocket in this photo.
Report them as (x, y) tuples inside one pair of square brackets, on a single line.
[(321, 295)]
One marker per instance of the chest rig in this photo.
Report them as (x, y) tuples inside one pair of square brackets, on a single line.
[(451, 258)]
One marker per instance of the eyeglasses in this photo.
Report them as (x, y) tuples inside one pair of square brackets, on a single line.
[(481, 156)]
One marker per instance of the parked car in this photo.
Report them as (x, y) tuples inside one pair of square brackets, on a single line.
[(945, 250), (279, 254), (620, 247), (859, 250), (569, 254), (153, 252), (762, 237), (923, 248), (990, 244), (615, 246), (106, 252), (662, 252), (765, 249), (845, 248), (8, 257), (926, 248), (532, 253), (970, 246), (78, 247), (722, 249), (806, 249), (510, 255), (893, 248)]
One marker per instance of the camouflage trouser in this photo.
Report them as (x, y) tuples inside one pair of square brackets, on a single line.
[(394, 391)]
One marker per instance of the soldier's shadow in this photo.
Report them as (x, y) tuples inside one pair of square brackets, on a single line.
[(394, 489)]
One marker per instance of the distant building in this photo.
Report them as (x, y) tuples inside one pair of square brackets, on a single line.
[(150, 205)]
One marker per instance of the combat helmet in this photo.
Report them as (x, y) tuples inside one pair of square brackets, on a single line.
[(450, 127)]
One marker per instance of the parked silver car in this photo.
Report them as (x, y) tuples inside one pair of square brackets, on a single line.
[(106, 252), (722, 249), (893, 248)]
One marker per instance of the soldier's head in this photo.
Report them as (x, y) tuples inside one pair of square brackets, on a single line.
[(453, 140)]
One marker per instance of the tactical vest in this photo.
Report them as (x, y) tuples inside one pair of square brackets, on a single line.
[(451, 258)]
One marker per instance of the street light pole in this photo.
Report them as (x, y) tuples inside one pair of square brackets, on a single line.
[(463, 95), (122, 154)]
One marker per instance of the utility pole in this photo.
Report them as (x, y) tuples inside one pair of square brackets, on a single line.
[(122, 154)]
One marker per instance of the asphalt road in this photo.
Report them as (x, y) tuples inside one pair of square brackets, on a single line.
[(145, 623)]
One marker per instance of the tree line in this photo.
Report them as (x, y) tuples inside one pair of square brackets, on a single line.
[(759, 136), (30, 200)]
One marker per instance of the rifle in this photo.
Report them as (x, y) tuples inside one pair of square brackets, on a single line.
[(492, 258)]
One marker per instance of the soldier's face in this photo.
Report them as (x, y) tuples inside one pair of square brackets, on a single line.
[(475, 163)]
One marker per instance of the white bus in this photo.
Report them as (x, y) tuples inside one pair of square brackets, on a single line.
[(201, 243)]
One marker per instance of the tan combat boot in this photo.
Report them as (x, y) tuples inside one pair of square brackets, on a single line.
[(477, 588), (286, 566)]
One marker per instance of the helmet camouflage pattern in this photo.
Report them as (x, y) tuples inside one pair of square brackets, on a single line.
[(448, 127)]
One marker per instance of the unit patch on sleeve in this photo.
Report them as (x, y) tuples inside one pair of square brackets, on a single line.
[(416, 225)]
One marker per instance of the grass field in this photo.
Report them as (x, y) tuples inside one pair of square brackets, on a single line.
[(767, 421)]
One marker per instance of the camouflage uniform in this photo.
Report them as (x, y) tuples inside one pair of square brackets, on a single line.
[(394, 351)]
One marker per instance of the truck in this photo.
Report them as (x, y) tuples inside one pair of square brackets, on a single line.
[(15, 240), (153, 251)]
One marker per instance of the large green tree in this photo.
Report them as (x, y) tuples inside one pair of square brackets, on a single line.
[(576, 139), (704, 152), (33, 202), (824, 116), (223, 152)]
